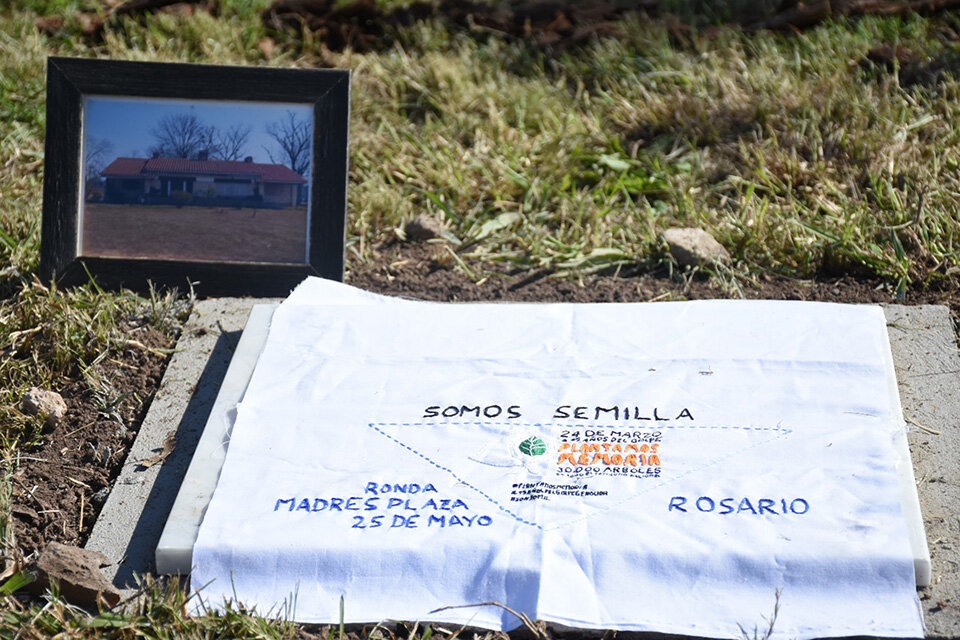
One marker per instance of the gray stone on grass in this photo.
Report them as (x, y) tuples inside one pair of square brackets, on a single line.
[(423, 228), (75, 572), (692, 247), (41, 402)]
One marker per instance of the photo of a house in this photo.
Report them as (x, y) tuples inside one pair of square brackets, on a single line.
[(196, 180), (202, 182)]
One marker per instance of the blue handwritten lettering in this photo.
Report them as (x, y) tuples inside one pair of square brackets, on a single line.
[(726, 505), (397, 503), (458, 520), (412, 488), (745, 505), (406, 522), (741, 505)]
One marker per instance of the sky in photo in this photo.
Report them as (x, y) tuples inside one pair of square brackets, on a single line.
[(127, 122)]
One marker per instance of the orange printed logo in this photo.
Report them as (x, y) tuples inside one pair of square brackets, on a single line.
[(607, 454)]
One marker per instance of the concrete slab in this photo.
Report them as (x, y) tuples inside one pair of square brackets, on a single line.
[(928, 369), (134, 514), (928, 373), (175, 549)]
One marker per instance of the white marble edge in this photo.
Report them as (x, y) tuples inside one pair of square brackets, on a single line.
[(174, 553)]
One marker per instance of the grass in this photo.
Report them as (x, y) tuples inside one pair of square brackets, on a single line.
[(796, 156), (800, 157)]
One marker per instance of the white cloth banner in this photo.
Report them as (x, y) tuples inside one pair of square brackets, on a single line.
[(666, 467)]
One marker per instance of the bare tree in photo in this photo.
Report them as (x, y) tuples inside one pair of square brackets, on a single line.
[(181, 135), (97, 154), (291, 136), (231, 143), (210, 142)]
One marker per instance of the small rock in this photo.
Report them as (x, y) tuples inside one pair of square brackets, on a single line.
[(421, 228), (100, 496), (77, 572), (90, 23), (692, 247), (268, 47), (49, 25), (40, 402)]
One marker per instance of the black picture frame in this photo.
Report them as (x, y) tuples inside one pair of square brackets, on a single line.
[(70, 79)]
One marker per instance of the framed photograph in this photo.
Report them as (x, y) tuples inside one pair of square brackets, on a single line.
[(231, 180)]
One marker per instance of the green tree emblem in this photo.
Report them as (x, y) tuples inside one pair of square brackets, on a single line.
[(533, 446)]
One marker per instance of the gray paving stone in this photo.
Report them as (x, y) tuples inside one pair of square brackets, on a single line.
[(927, 360)]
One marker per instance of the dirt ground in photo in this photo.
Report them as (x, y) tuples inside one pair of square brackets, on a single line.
[(194, 233)]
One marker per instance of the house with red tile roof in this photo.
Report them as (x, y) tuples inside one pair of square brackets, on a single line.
[(202, 182)]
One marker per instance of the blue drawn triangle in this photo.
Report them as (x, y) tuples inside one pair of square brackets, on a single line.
[(441, 444)]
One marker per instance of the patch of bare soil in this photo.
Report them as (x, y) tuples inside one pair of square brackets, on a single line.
[(60, 486), (363, 26), (550, 25), (425, 271)]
